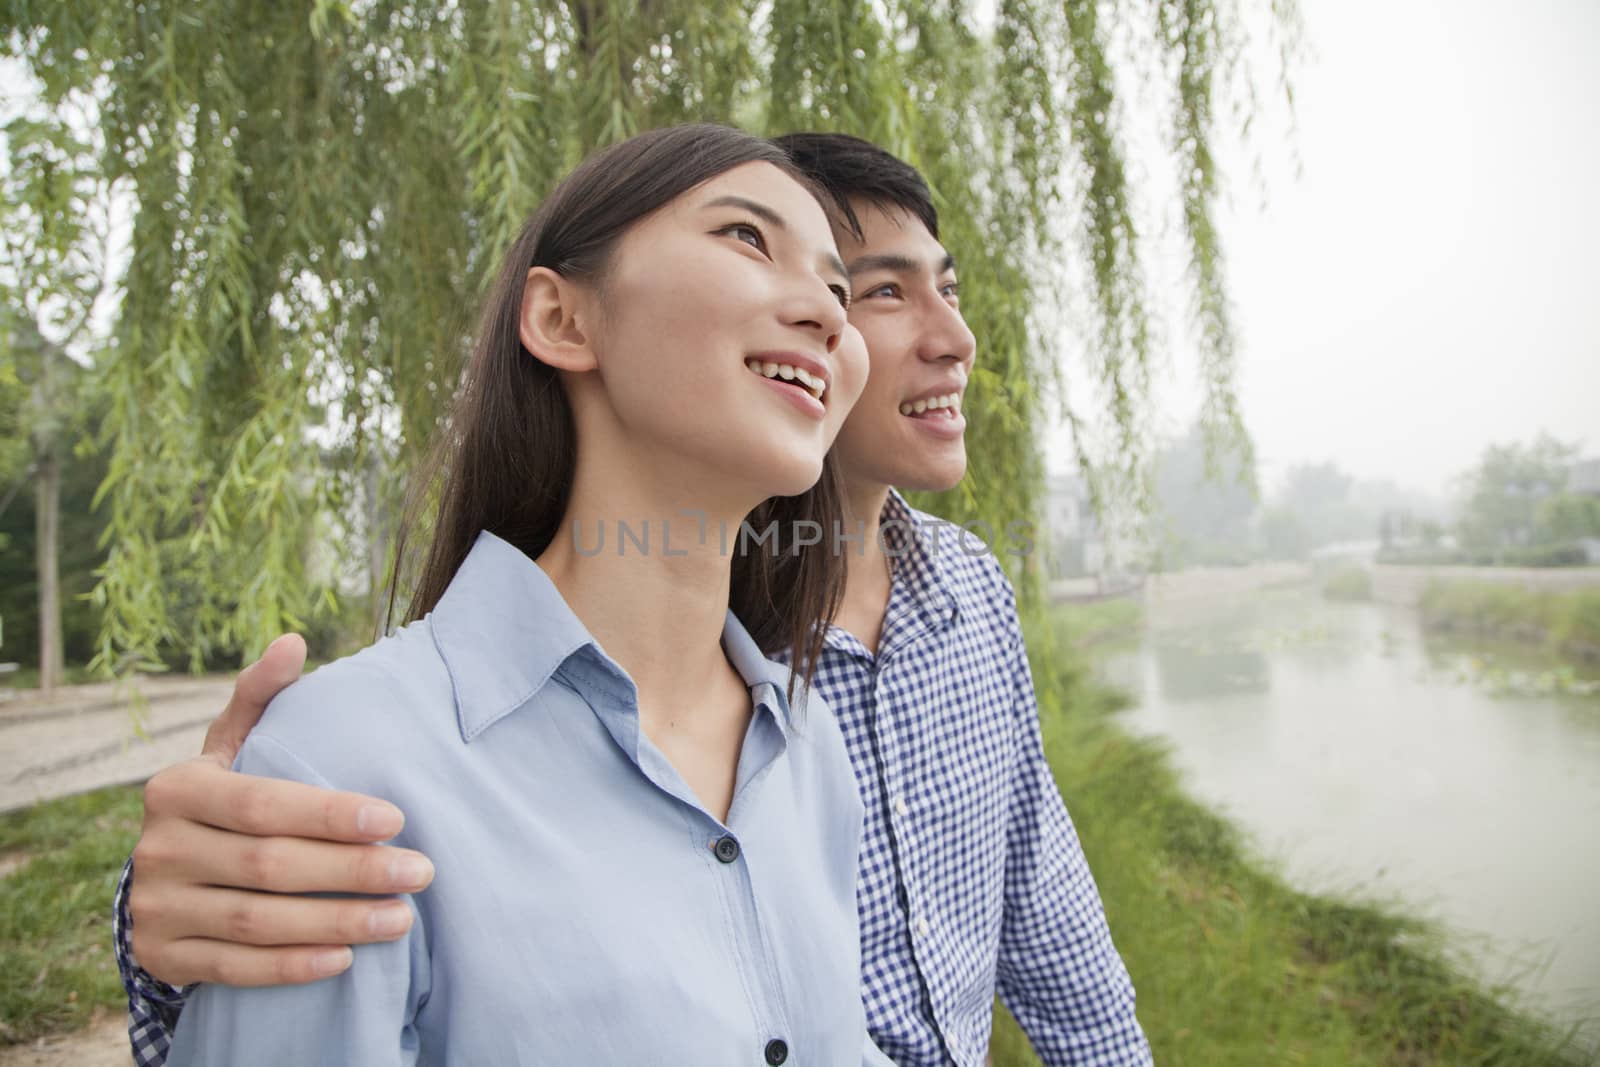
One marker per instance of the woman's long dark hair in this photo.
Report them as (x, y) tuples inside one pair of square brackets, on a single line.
[(504, 459)]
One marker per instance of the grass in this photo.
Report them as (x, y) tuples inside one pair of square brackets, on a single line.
[(1231, 964), (1351, 584), (56, 964), (1567, 623), (1095, 622), (26, 676)]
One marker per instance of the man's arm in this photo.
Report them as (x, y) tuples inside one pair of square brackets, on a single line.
[(201, 899), (1059, 973), (365, 1015)]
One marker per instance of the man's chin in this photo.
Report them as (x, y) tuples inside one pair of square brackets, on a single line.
[(932, 477)]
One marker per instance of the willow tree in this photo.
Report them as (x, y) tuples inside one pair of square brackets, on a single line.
[(321, 187)]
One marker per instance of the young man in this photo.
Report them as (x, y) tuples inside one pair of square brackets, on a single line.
[(972, 881)]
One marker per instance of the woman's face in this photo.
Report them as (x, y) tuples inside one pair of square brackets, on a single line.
[(722, 346)]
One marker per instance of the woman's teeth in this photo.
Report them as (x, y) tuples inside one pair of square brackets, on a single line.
[(783, 371), (938, 403)]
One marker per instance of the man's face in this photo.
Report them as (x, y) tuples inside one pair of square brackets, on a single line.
[(919, 350)]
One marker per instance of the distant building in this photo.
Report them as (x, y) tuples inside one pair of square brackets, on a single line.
[(1075, 545)]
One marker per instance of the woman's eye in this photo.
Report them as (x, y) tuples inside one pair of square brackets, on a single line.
[(743, 231), (843, 294)]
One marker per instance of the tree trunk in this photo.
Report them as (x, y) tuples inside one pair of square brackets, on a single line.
[(379, 531), (46, 552)]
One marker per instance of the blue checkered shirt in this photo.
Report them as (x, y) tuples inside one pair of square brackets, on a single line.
[(972, 880)]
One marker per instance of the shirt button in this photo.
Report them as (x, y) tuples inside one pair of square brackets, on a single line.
[(777, 1052), (922, 927), (726, 849), (901, 808)]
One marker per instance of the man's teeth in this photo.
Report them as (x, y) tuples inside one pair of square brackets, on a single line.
[(784, 371), (949, 400)]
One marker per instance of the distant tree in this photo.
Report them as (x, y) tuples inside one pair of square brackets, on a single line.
[(1283, 534), (1567, 517), (1319, 494), (52, 271), (1508, 488), (79, 553), (1204, 502)]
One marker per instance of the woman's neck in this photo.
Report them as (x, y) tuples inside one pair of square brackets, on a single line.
[(634, 567)]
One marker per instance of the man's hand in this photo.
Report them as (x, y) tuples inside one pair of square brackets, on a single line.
[(218, 846)]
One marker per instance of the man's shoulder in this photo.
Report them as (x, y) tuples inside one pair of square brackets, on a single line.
[(964, 555)]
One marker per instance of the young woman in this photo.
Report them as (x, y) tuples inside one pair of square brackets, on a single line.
[(645, 832)]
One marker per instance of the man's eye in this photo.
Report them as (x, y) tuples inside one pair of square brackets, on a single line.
[(952, 289), (879, 291)]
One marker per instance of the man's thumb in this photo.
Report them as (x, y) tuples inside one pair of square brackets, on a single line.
[(279, 665)]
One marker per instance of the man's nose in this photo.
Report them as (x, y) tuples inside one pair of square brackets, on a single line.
[(947, 337)]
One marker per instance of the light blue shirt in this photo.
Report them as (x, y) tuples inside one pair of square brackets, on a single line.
[(582, 911)]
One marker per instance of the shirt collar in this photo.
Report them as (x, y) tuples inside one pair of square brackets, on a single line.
[(914, 549), (503, 630)]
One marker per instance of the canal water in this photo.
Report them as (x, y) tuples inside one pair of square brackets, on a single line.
[(1459, 783)]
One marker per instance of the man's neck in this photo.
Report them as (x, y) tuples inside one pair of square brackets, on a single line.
[(867, 583)]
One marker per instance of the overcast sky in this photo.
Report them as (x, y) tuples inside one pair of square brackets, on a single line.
[(1431, 283)]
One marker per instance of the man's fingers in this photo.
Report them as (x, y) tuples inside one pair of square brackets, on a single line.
[(267, 919), (200, 791), (287, 864), (199, 960), (253, 690)]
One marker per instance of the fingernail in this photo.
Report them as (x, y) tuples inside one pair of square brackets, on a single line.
[(331, 961), (389, 922), (379, 820), (410, 872)]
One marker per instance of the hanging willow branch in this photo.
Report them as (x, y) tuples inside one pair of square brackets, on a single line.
[(322, 185)]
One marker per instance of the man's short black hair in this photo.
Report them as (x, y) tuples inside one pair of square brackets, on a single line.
[(850, 168)]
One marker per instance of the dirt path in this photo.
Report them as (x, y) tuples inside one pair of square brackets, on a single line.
[(86, 737), (104, 1043), (83, 739)]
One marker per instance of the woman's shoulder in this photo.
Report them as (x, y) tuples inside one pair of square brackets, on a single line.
[(387, 696), (819, 741)]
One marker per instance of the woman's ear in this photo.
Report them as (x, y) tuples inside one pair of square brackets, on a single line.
[(551, 325)]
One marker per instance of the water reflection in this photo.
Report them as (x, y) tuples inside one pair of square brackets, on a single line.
[(1189, 673), (1366, 759)]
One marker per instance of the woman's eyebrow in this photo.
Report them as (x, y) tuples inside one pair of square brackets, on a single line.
[(766, 214), (760, 211)]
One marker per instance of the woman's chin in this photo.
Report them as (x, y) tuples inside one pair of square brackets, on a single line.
[(791, 476)]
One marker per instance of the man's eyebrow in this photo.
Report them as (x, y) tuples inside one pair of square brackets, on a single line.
[(766, 214), (898, 264)]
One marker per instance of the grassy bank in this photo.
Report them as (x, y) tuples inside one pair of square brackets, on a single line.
[(1232, 966), (61, 860), (1352, 584), (1566, 623), (1097, 622)]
